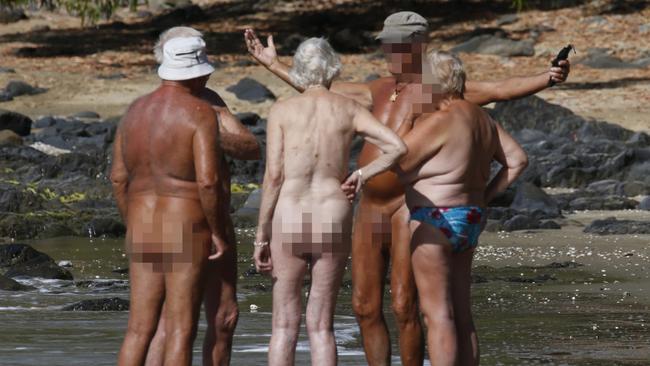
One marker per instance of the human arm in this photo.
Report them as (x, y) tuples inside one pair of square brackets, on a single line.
[(207, 161), (273, 179), (268, 57), (234, 138), (120, 176), (485, 92), (513, 160), (374, 132)]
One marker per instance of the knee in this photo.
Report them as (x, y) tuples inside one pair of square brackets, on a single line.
[(226, 318), (365, 310), (318, 324), (440, 317), (141, 330), (405, 310)]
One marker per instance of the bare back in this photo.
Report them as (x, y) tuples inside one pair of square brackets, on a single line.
[(457, 171), (317, 133), (158, 152)]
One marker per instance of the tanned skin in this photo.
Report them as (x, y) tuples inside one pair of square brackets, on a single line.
[(448, 165), (165, 174), (220, 295), (306, 215), (381, 231)]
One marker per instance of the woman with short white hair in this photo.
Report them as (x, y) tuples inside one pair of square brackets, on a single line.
[(305, 216)]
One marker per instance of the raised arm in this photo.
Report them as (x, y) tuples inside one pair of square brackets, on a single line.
[(513, 160), (268, 57), (119, 176), (207, 160), (235, 139), (381, 136), (484, 92), (273, 179)]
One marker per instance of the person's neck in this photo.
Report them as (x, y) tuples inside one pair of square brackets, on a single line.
[(448, 99), (317, 87), (408, 78), (183, 85)]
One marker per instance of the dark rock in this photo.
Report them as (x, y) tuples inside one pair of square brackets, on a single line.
[(639, 172), (44, 122), (19, 88), (372, 77), (7, 70), (86, 115), (507, 19), (493, 226), (640, 139), (292, 41), (602, 203), (644, 204), (9, 284), (521, 222), (549, 225), (102, 285), (111, 304), (566, 264), (494, 45), (612, 226), (9, 15), (5, 96), (251, 90), (247, 215), (248, 118), (8, 137), (121, 270), (599, 58), (348, 40), (529, 197), (250, 272), (14, 198), (23, 260), (16, 122)]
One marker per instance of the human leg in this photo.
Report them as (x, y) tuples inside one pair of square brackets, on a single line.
[(431, 258), (468, 349), (404, 291)]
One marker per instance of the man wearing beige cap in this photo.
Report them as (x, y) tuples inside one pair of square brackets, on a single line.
[(220, 295), (166, 160), (381, 230)]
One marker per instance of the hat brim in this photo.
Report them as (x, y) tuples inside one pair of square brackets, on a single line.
[(186, 73)]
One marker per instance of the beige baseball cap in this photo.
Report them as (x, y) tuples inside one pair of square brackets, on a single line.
[(402, 26)]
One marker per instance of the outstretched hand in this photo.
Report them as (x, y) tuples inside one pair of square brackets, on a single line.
[(560, 73), (264, 55), (219, 247)]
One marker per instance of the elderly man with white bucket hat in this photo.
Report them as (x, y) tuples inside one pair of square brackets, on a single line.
[(165, 175), (220, 294)]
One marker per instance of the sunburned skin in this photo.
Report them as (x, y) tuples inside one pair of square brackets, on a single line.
[(220, 298), (165, 164)]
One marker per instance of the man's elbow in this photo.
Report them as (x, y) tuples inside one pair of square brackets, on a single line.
[(519, 163), (208, 184)]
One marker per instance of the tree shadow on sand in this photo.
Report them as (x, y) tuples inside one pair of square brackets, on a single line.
[(360, 17)]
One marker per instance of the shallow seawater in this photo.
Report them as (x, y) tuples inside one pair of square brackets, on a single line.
[(527, 311)]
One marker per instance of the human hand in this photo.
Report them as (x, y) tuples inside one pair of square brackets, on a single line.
[(559, 74), (262, 258), (352, 184), (219, 247), (264, 55)]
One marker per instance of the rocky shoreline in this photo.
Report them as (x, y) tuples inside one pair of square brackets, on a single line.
[(54, 173)]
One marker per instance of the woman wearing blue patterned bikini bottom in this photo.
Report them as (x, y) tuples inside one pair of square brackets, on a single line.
[(446, 174)]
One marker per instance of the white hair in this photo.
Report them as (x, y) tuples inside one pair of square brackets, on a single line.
[(447, 71), (174, 32), (314, 63)]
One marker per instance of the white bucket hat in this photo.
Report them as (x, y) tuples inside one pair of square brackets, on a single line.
[(184, 58)]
